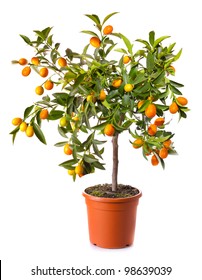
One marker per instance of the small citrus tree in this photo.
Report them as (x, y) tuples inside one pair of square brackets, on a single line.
[(92, 93)]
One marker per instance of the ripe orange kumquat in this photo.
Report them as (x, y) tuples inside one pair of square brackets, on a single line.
[(108, 30), (138, 143), (182, 100), (159, 121), (150, 111), (23, 126), (167, 143), (117, 83), (163, 153), (152, 129), (48, 85), (39, 90), (35, 60), (140, 103), (102, 95), (43, 72), (26, 71), (22, 61), (173, 108), (154, 160), (44, 114), (126, 59), (62, 62), (67, 149), (29, 131), (16, 121), (79, 170), (109, 130), (95, 42)]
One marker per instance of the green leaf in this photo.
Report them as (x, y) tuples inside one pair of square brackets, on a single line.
[(78, 80), (159, 78), (100, 126), (121, 50), (177, 56), (127, 43), (69, 163), (89, 158), (145, 43), (28, 111), (90, 33), (94, 18), (26, 39), (175, 84), (75, 140), (55, 115), (60, 144), (159, 40), (175, 90), (62, 131), (98, 165), (150, 61), (38, 132), (108, 16), (151, 37)]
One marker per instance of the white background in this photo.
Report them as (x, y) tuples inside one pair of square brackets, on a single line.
[(42, 212)]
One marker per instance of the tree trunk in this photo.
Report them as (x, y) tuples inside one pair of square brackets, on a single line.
[(115, 162)]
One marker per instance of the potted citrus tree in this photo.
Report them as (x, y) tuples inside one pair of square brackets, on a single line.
[(111, 87)]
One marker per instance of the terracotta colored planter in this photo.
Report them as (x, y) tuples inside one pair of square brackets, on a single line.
[(111, 221)]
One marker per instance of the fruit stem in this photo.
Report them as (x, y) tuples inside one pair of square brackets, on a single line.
[(115, 162)]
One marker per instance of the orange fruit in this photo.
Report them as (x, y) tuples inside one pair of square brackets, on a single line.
[(150, 111), (39, 90), (79, 170), (71, 172), (154, 160), (67, 149), (62, 62), (167, 143), (29, 131), (108, 29), (23, 126), (137, 143), (43, 114), (35, 60), (48, 85), (102, 95), (159, 121), (182, 100), (43, 72), (95, 42), (26, 71), (109, 130), (22, 61), (140, 103), (116, 83), (163, 153), (152, 129), (126, 59), (128, 87), (173, 108), (16, 121)]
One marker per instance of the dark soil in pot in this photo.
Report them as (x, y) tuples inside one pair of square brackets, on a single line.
[(105, 190)]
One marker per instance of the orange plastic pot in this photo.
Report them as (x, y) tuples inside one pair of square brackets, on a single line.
[(111, 221)]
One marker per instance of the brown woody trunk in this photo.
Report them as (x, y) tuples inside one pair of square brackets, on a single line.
[(115, 162)]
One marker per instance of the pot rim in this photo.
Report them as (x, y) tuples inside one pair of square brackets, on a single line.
[(111, 199)]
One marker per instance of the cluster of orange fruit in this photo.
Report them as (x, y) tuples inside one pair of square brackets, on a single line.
[(78, 170), (42, 71), (28, 127)]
